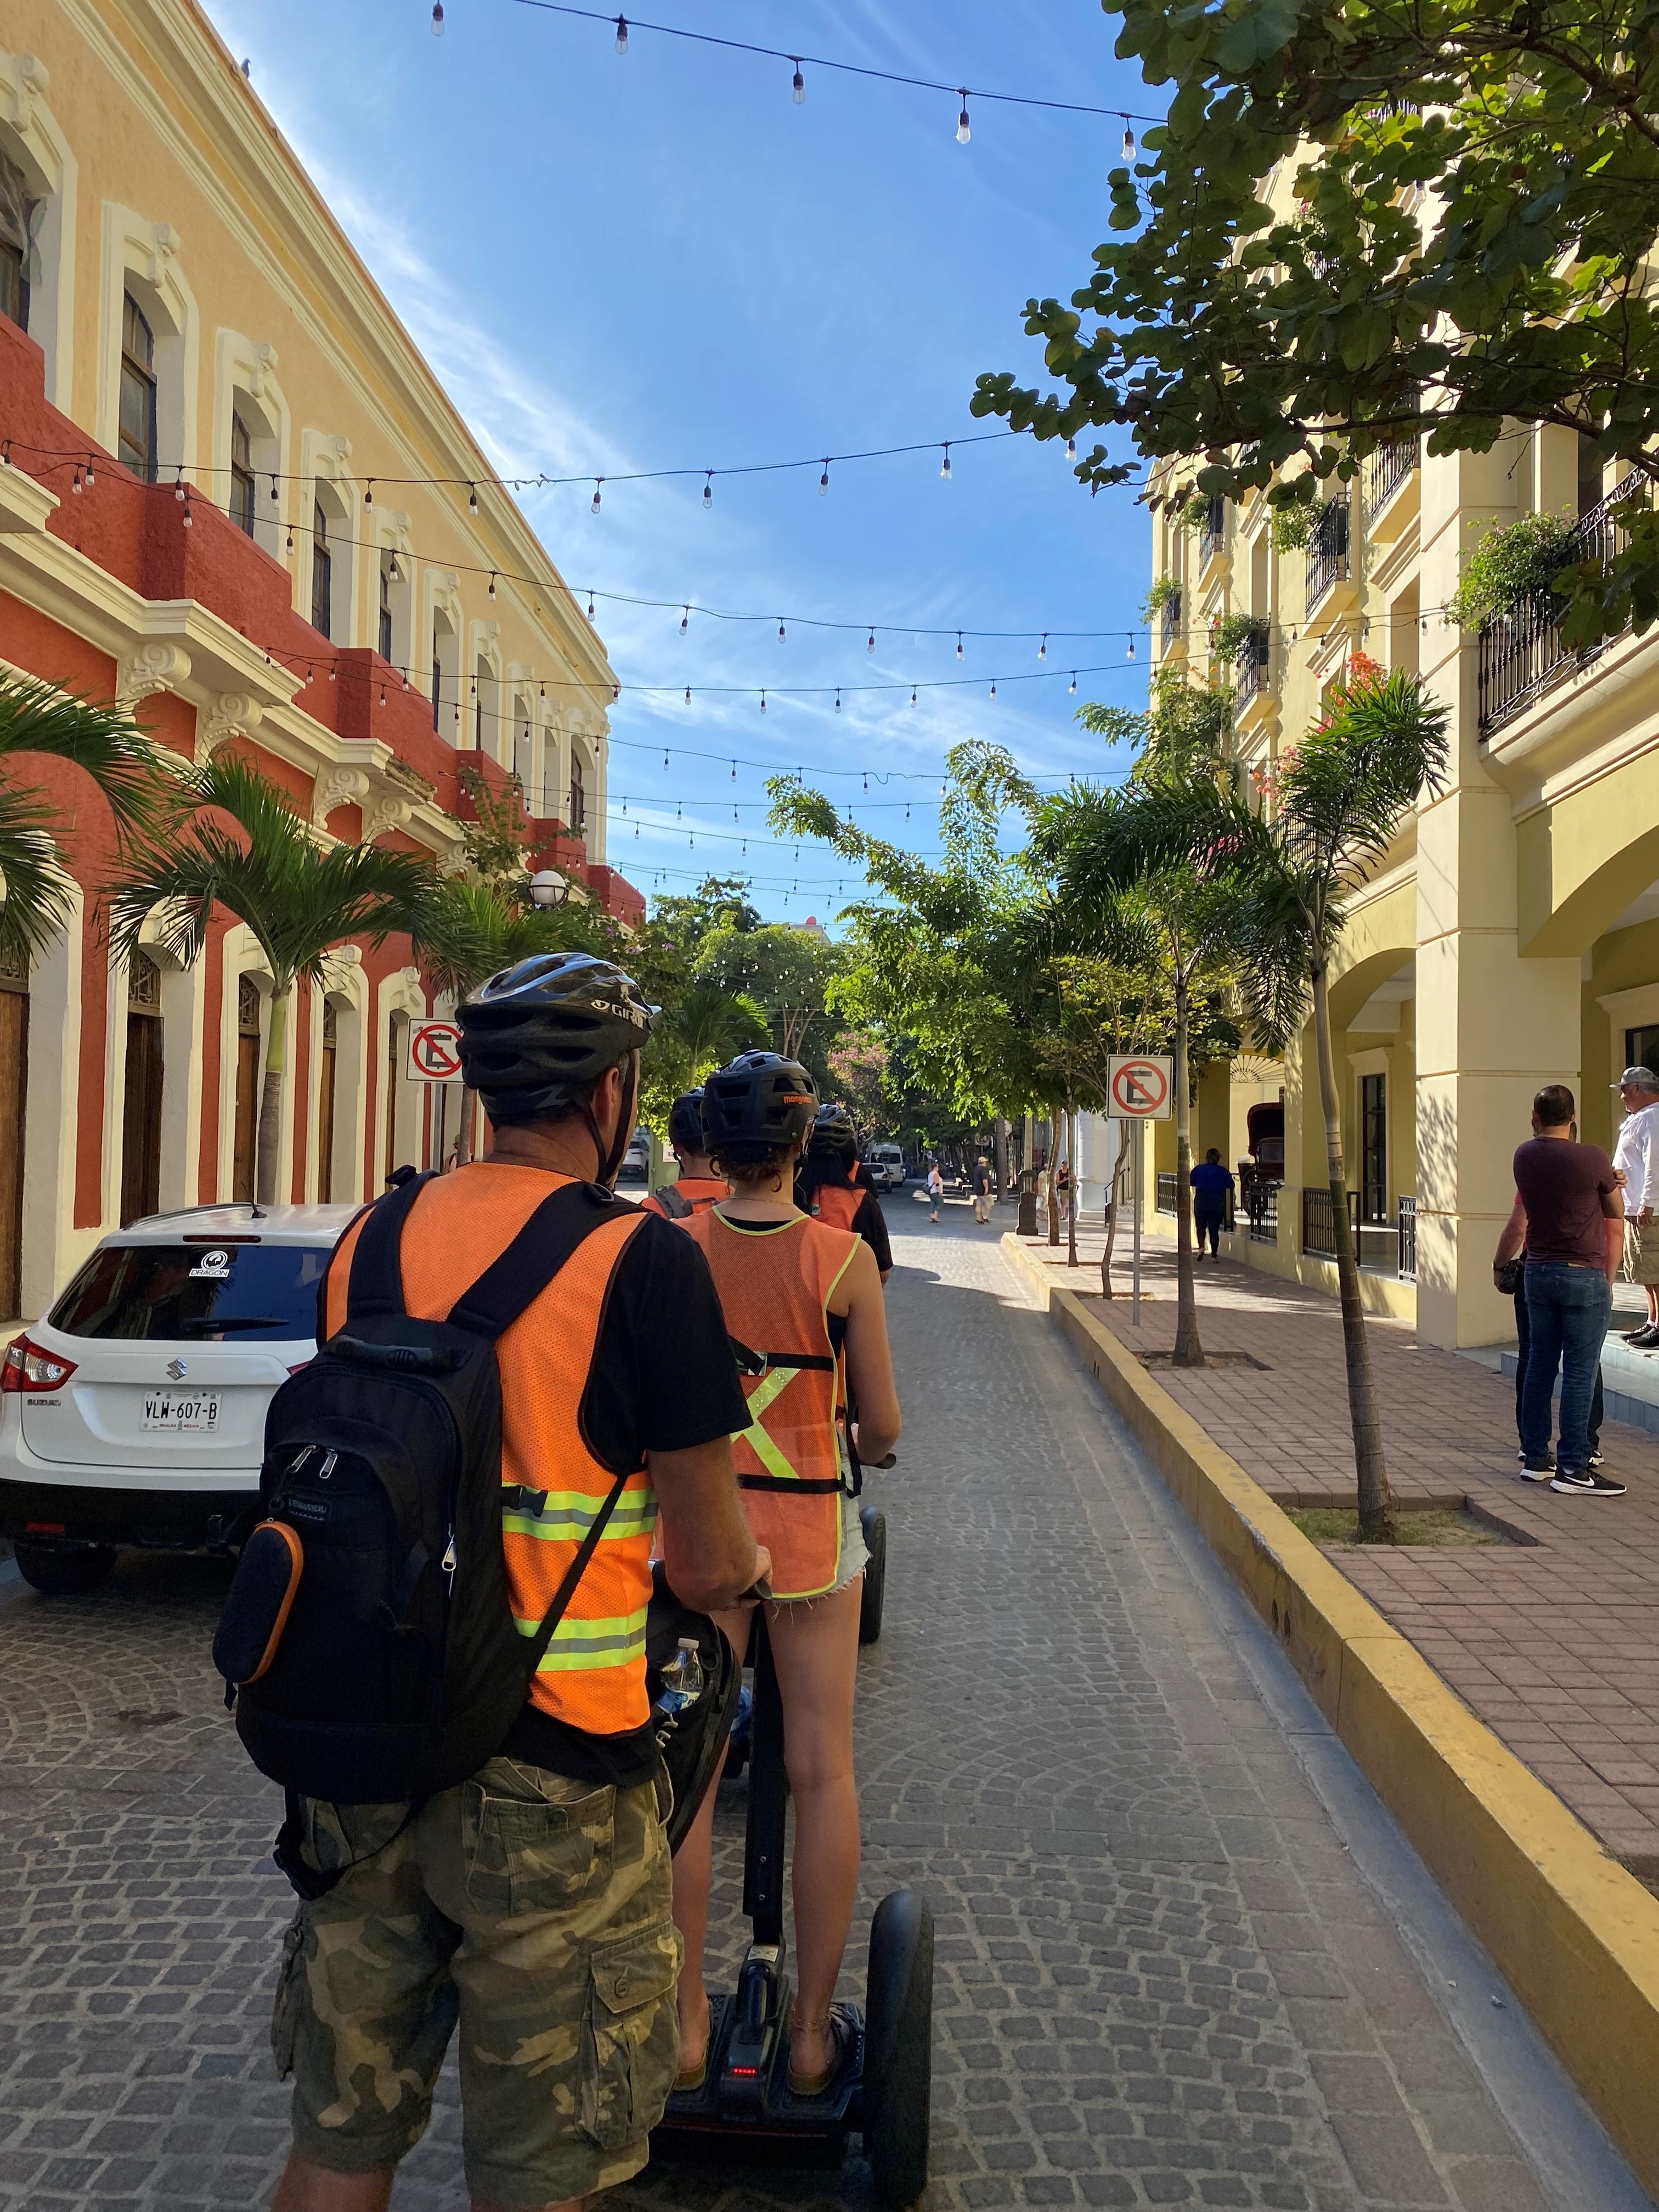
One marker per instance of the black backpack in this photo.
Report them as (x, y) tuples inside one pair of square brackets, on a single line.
[(367, 1643)]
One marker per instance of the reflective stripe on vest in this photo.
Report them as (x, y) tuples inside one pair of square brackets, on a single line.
[(593, 1677), (774, 1286)]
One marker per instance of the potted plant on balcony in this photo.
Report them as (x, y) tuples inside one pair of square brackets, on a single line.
[(1515, 562)]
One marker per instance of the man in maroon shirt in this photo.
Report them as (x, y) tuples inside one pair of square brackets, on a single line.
[(1566, 1194)]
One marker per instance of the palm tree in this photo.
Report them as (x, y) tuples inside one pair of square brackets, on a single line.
[(465, 929), (708, 1026), (231, 838), (126, 765), (1288, 873)]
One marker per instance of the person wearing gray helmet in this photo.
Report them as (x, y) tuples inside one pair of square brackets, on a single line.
[(531, 1905), (1636, 1158)]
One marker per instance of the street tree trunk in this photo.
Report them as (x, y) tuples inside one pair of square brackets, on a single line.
[(1188, 1352), (1372, 1476), (1000, 1149), (1053, 1175), (1113, 1200), (469, 1116), (270, 1098), (1071, 1186)]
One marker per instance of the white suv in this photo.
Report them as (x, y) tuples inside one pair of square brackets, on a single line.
[(135, 1412)]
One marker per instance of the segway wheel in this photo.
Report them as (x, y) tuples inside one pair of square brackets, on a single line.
[(875, 1574), (898, 2049)]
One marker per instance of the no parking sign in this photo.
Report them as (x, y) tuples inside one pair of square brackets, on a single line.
[(435, 1052), (1140, 1088)]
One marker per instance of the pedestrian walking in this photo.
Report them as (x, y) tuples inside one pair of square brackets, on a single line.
[(984, 1188), (935, 1190), (1212, 1186), (1636, 1153), (1565, 1193)]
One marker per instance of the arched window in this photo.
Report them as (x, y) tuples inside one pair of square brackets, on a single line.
[(578, 822), (135, 443), (322, 572), (242, 475), (17, 212)]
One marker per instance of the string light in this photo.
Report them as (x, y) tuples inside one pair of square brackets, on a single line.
[(824, 481), (871, 645), (598, 484), (622, 34), (89, 475), (913, 694), (993, 687), (492, 583), (797, 85), (1071, 449), (590, 606), (961, 655), (779, 633), (944, 465), (76, 487), (688, 694), (1129, 140), (178, 485), (685, 622), (762, 702), (437, 18), (187, 518), (964, 130), (1073, 684), (1132, 648), (838, 701), (368, 493), (473, 499), (1043, 650)]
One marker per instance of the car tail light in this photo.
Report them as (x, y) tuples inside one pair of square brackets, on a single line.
[(29, 1368)]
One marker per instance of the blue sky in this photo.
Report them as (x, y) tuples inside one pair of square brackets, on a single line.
[(658, 260)]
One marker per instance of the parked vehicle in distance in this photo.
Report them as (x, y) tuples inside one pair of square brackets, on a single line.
[(134, 1414), (885, 1165), (636, 1161)]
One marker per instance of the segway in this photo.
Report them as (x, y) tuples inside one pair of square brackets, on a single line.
[(745, 2109), (874, 1524)]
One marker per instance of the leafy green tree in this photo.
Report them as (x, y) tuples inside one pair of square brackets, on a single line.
[(719, 902), (1339, 802), (700, 1029), (1469, 244), (785, 970), (129, 771), (229, 838)]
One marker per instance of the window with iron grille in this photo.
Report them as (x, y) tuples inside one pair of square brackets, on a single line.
[(1374, 1148)]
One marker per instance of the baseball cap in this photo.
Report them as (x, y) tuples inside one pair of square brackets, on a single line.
[(1643, 1078)]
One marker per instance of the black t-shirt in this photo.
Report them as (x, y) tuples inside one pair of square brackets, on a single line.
[(663, 1379)]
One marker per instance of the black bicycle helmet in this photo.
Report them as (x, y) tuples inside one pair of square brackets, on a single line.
[(760, 1099), (685, 1121), (537, 1036), (834, 1137)]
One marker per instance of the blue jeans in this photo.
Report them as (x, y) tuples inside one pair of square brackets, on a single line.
[(1568, 1310)]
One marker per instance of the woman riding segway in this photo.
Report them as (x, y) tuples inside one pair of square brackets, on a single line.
[(831, 1185), (803, 1305)]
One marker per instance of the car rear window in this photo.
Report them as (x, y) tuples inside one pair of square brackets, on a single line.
[(196, 1293)]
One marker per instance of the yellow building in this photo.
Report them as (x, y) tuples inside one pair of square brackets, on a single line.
[(234, 494), (1512, 939)]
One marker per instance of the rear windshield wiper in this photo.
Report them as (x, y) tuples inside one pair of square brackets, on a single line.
[(202, 1324)]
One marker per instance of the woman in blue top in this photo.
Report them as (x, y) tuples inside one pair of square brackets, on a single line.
[(1211, 1186)]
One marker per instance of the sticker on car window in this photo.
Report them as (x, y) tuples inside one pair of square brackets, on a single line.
[(214, 1267)]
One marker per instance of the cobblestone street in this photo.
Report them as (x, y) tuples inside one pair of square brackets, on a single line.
[(1167, 1975)]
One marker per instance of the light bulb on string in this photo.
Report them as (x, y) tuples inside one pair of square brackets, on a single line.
[(685, 621), (273, 489), (76, 487), (779, 633), (437, 18), (290, 538), (492, 583), (590, 606), (688, 694), (961, 655), (734, 771), (1071, 449), (1132, 648), (798, 85), (824, 481), (838, 700), (762, 702), (871, 646), (664, 760), (993, 687), (368, 493), (178, 486), (622, 34), (963, 131), (473, 499), (187, 518), (1072, 686), (598, 484), (1043, 650), (944, 465), (1129, 140), (913, 694), (708, 489), (90, 479)]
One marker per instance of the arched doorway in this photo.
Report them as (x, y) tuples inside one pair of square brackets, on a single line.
[(326, 1091), (244, 1155), (13, 1098), (141, 1117)]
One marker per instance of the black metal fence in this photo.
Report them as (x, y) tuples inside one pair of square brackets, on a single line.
[(1408, 1238), (1327, 551), (1386, 469), (1169, 627), (1261, 1211), (1521, 650), (1166, 1192), (1251, 668), (1319, 1223), (1212, 532)]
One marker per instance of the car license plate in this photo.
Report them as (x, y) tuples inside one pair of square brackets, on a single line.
[(175, 1411)]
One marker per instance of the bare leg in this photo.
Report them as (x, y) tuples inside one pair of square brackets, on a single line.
[(694, 1875), (815, 1648), (308, 2188)]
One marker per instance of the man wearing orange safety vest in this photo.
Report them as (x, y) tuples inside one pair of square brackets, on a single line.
[(533, 1902), (831, 1184), (699, 1186)]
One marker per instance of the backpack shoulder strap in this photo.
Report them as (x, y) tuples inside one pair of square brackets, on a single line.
[(511, 1283), (376, 1286)]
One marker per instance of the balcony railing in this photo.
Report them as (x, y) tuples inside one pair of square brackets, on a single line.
[(1386, 469), (1521, 650), (1319, 1223), (1407, 1260), (1166, 1192), (1327, 551), (1169, 628), (1251, 668), (1261, 1211), (1212, 532)]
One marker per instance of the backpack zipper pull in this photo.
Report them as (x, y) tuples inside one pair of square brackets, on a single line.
[(448, 1561)]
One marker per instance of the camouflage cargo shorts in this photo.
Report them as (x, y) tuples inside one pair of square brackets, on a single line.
[(535, 1911)]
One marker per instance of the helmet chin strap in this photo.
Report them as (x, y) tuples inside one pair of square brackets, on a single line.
[(610, 1161)]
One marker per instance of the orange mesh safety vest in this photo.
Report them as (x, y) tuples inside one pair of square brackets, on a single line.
[(774, 1286), (592, 1675), (837, 1206), (676, 1202)]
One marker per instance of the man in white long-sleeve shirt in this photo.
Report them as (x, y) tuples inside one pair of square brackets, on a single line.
[(1636, 1154)]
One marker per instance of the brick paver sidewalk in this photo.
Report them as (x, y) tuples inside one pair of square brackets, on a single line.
[(1551, 1638)]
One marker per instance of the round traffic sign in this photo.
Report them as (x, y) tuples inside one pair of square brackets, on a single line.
[(1140, 1088), (435, 1050)]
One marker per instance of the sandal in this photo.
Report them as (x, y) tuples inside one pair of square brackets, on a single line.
[(692, 2078), (842, 2030)]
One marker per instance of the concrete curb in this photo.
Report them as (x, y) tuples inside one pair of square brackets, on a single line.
[(1576, 1934)]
